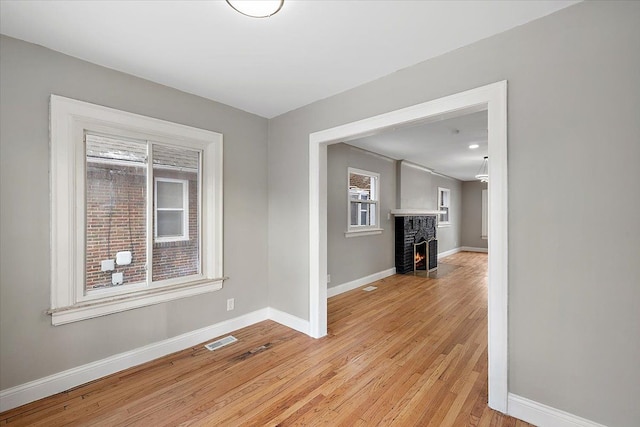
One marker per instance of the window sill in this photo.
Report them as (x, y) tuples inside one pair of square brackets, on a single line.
[(444, 224), (115, 304), (367, 232)]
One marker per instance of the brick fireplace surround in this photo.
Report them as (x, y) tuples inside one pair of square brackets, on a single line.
[(412, 229)]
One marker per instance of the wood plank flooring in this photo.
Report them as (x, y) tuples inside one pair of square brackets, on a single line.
[(413, 352)]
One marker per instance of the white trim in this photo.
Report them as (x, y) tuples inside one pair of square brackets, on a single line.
[(442, 190), (472, 249), (142, 298), (414, 212), (365, 232), (354, 284), (374, 199), (493, 98), (449, 252), (69, 120), (461, 249), (52, 384), (288, 320), (185, 210), (544, 416)]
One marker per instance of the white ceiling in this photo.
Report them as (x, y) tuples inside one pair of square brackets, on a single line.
[(442, 146), (310, 50)]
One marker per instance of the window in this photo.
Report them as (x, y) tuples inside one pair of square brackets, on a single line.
[(136, 209), (172, 210), (363, 202), (444, 204)]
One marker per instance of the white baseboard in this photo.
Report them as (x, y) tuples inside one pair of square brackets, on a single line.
[(15, 396), (449, 252), (289, 320), (543, 415), (472, 249), (345, 287)]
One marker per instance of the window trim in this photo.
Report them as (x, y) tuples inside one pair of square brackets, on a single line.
[(69, 119), (185, 209), (364, 230), (440, 206)]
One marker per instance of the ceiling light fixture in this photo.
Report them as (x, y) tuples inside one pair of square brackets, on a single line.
[(473, 146), (483, 172), (256, 8)]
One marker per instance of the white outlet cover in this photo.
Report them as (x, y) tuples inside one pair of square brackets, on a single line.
[(107, 265), (117, 278), (123, 258)]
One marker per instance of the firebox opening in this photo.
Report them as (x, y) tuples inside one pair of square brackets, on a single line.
[(420, 256)]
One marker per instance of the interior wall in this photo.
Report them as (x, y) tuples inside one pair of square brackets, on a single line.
[(471, 220), (419, 190), (351, 258), (573, 101), (29, 74)]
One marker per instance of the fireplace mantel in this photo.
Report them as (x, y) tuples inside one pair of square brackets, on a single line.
[(415, 212)]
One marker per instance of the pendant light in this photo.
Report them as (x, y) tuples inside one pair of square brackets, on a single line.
[(483, 172), (256, 8)]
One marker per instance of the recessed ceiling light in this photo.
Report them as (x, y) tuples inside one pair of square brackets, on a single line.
[(473, 146)]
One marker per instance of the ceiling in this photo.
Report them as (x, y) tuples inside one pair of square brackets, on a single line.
[(310, 50), (442, 146)]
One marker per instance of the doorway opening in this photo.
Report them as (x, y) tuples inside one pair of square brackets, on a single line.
[(492, 98)]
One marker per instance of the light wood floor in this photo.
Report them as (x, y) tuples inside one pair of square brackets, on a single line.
[(411, 353)]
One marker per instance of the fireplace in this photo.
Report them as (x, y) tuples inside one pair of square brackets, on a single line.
[(420, 256), (416, 238)]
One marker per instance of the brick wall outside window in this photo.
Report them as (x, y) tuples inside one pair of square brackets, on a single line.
[(115, 221)]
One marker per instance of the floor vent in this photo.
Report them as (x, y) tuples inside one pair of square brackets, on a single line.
[(370, 288), (221, 343)]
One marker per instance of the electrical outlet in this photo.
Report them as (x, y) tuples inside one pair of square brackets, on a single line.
[(328, 278), (231, 302)]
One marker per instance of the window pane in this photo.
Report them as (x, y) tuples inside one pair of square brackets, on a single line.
[(170, 223), (169, 194), (445, 216), (362, 214), (359, 186), (176, 254), (354, 213), (116, 175)]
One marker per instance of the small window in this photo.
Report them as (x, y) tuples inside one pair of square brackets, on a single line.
[(363, 201), (172, 210), (444, 205)]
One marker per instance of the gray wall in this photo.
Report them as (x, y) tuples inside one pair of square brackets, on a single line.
[(471, 225), (574, 103), (419, 190), (356, 257), (31, 347)]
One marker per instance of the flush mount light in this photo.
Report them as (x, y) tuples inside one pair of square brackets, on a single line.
[(473, 146), (256, 8)]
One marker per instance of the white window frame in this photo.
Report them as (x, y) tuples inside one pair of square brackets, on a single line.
[(69, 120), (442, 223), (374, 200), (185, 209)]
